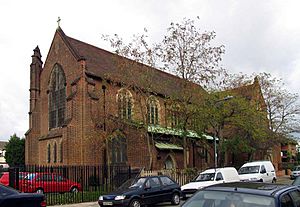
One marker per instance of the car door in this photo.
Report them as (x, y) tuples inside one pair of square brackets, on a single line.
[(46, 182), (59, 184), (168, 186), (152, 191), (286, 200), (295, 197), (264, 174)]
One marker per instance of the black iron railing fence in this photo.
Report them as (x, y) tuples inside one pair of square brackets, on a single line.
[(69, 184)]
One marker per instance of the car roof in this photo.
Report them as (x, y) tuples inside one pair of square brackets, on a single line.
[(257, 188), (153, 176), (213, 170), (258, 162)]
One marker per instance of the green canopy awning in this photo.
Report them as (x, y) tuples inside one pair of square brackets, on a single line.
[(163, 145), (178, 132)]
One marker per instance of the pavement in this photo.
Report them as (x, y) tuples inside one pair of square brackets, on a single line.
[(282, 180), (89, 204)]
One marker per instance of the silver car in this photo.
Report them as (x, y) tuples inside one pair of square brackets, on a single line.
[(296, 172)]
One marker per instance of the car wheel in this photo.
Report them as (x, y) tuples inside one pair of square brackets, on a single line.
[(274, 180), (135, 203), (40, 191), (175, 199), (74, 190)]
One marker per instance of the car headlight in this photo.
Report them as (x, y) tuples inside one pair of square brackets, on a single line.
[(101, 198), (120, 197)]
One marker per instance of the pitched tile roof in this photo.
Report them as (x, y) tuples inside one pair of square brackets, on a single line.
[(106, 65), (251, 92), (2, 144)]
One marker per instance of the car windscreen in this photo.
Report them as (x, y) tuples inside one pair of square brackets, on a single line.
[(138, 183), (297, 168), (209, 198), (126, 184), (22, 176), (30, 176), (205, 177), (297, 181), (249, 170)]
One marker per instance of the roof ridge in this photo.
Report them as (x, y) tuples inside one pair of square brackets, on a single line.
[(69, 45), (116, 55)]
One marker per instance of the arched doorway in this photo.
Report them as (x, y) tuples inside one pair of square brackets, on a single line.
[(170, 163)]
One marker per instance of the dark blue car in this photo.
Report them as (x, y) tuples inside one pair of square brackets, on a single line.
[(10, 198), (244, 194), (144, 191)]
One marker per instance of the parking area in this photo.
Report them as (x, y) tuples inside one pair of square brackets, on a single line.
[(282, 180)]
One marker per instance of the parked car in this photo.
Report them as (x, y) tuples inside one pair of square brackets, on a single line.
[(210, 177), (4, 179), (48, 183), (10, 197), (295, 173), (246, 194), (262, 171), (144, 191), (296, 181)]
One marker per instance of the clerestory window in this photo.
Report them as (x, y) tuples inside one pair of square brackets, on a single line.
[(153, 115), (124, 99), (57, 97)]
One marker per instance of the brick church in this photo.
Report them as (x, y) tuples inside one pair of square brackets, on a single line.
[(89, 106)]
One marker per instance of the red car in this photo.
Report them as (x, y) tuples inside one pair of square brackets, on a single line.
[(4, 179), (48, 183)]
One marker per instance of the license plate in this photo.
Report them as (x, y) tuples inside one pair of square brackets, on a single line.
[(107, 203)]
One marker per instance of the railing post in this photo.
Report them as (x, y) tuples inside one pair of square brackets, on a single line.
[(12, 177), (17, 171), (129, 172)]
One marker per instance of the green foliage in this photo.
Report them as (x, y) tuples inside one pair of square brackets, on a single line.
[(236, 121), (298, 157), (15, 151)]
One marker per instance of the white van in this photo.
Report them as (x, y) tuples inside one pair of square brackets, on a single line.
[(210, 177), (261, 171)]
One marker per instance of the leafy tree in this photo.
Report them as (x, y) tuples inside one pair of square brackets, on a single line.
[(236, 122), (15, 151)]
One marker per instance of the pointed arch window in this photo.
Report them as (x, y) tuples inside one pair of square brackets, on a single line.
[(61, 152), (124, 104), (55, 152), (57, 97), (118, 148), (49, 153), (153, 108), (169, 163), (174, 115)]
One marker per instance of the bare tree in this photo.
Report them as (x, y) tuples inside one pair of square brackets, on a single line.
[(188, 53)]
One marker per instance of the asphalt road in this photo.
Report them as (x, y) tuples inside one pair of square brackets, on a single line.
[(281, 180)]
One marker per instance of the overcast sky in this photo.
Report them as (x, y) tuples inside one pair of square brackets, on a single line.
[(259, 35)]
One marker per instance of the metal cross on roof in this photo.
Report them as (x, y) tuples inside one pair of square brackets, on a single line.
[(58, 21)]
